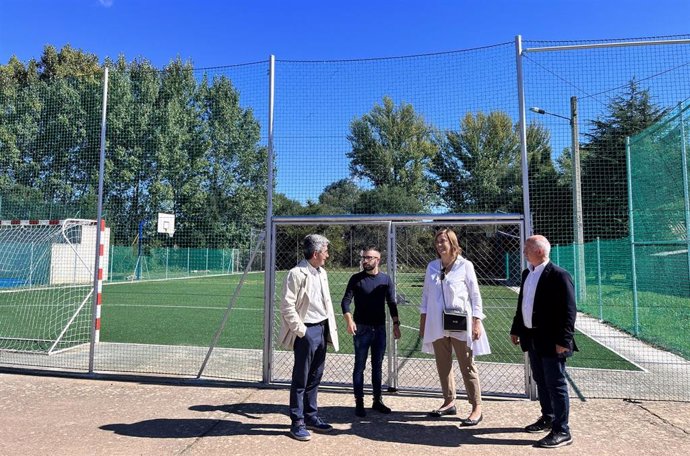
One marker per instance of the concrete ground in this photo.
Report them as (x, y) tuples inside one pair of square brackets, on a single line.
[(43, 415)]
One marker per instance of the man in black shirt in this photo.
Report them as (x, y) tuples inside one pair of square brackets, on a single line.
[(371, 290)]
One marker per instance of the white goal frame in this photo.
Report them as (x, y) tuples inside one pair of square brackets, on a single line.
[(66, 279)]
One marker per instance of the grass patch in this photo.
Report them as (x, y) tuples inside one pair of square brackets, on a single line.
[(188, 312), (663, 319)]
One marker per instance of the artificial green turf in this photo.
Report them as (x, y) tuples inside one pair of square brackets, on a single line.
[(184, 312), (663, 320), (33, 320), (188, 312)]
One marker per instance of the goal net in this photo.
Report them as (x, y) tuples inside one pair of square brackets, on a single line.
[(46, 284)]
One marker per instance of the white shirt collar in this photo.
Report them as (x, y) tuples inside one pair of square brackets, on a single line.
[(539, 267), (312, 269)]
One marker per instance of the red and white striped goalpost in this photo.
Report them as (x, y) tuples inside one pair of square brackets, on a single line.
[(99, 285), (31, 222)]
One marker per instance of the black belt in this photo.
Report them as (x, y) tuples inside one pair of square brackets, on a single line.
[(321, 323)]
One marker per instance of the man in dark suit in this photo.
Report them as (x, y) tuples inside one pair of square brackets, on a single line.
[(544, 326)]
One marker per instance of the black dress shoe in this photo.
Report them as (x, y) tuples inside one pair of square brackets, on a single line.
[(543, 424), (555, 440), (469, 422), (438, 413), (379, 406)]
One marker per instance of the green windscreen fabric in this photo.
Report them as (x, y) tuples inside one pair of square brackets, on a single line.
[(659, 190)]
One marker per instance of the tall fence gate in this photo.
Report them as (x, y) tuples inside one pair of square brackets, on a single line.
[(491, 242)]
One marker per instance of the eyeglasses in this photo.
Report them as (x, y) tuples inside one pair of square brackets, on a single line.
[(369, 258)]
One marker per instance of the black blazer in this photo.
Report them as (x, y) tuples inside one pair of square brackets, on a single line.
[(553, 314)]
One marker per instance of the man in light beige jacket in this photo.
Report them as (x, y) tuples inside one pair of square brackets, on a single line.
[(308, 325)]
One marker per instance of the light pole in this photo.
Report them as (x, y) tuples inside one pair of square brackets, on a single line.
[(578, 228)]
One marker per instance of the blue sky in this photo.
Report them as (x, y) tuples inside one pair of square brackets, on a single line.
[(223, 32), (213, 33)]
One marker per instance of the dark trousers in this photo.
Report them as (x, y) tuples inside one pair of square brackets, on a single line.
[(549, 374), (374, 337), (310, 357)]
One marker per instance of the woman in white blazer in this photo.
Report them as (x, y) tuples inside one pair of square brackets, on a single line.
[(451, 282)]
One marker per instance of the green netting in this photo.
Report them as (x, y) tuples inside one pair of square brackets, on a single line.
[(660, 210), (647, 295), (169, 262), (433, 133), (659, 178)]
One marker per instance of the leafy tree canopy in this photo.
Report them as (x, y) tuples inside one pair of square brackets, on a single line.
[(604, 178), (393, 147)]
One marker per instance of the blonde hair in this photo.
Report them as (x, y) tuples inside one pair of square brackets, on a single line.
[(453, 238)]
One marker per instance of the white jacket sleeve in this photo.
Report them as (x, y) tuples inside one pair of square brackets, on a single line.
[(473, 288), (293, 289), (425, 292)]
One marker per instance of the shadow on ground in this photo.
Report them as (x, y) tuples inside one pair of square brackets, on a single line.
[(271, 419)]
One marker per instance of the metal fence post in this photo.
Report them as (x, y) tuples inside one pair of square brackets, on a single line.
[(269, 236), (601, 303), (96, 305), (558, 254), (393, 346), (523, 137), (636, 317), (686, 197)]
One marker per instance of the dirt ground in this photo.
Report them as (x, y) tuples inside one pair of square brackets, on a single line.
[(46, 415)]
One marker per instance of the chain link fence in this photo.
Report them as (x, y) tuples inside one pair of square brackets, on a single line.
[(406, 249), (444, 133)]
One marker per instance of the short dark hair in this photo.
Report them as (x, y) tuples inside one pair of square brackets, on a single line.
[(371, 247)]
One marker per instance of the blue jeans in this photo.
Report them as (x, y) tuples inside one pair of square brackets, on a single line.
[(310, 357), (549, 374), (374, 337)]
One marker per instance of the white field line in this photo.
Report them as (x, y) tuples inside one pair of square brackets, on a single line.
[(129, 282), (165, 306)]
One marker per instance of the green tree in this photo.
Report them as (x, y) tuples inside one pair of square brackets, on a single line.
[(479, 170), (49, 131), (237, 165), (183, 144), (388, 200), (175, 142), (479, 167), (340, 197), (393, 148), (131, 163), (179, 144), (67, 143), (550, 193), (18, 114), (282, 205), (604, 178)]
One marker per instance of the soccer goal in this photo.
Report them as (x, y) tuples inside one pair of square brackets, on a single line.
[(46, 283)]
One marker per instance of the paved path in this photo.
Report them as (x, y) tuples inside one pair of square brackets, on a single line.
[(41, 415), (663, 375)]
